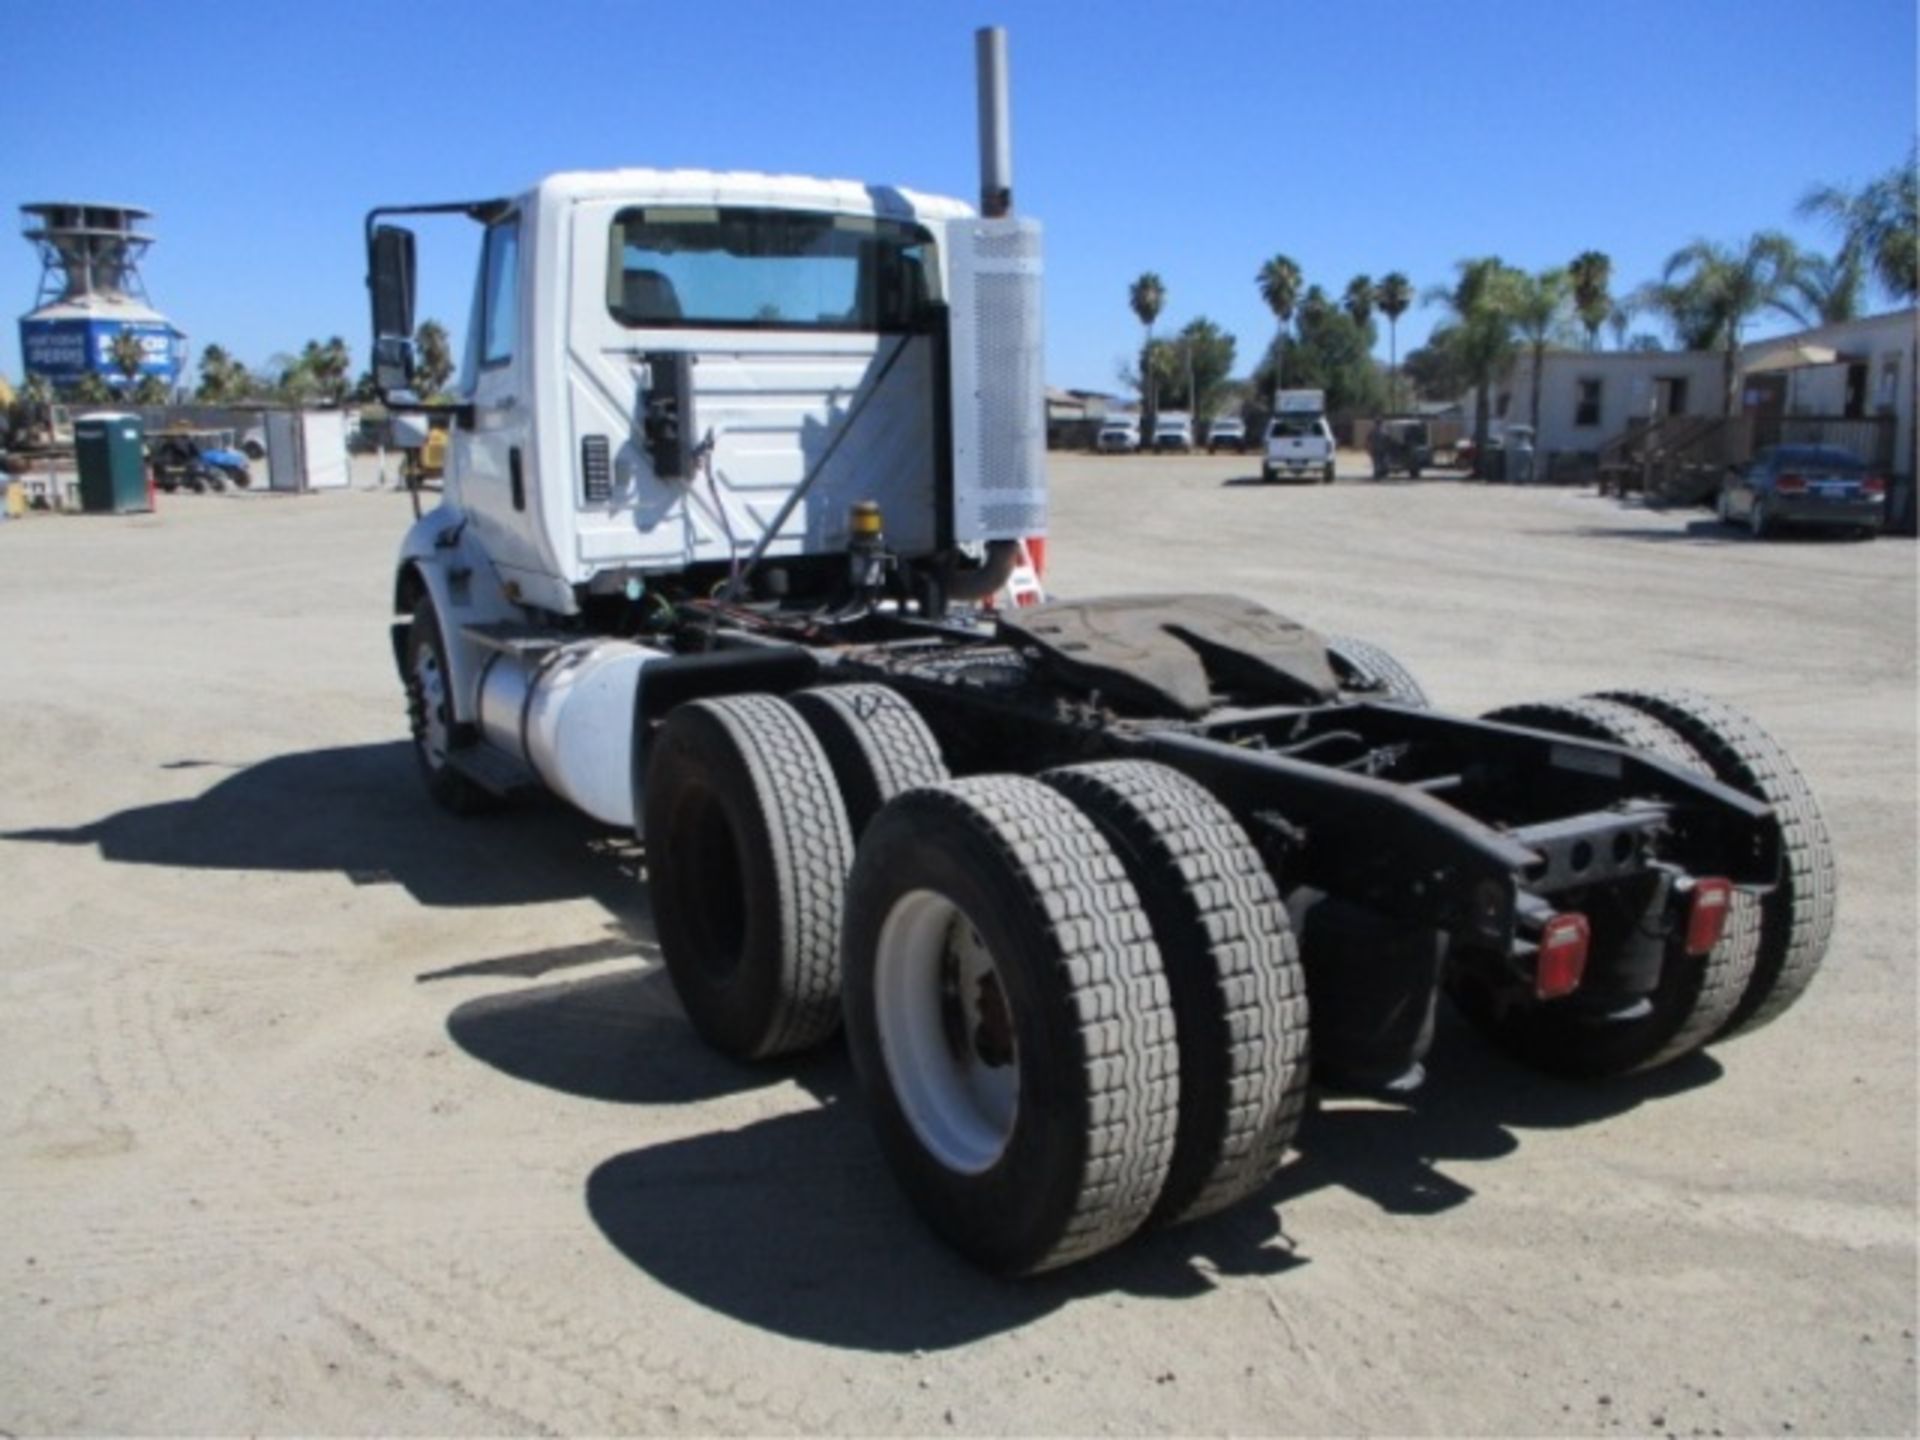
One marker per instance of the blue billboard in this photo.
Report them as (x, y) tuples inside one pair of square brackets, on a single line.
[(65, 350)]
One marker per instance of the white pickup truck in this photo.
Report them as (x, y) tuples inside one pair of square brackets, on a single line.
[(1299, 440)]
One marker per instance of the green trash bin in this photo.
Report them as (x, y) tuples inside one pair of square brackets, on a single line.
[(113, 464)]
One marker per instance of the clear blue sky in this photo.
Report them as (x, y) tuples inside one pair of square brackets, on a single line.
[(1194, 140)]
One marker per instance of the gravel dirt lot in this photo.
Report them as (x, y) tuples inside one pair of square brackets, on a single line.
[(323, 1112)]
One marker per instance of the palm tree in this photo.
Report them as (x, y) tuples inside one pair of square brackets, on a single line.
[(1279, 282), (1479, 338), (1730, 287), (1537, 304), (1147, 296), (128, 355), (1620, 315), (433, 363), (1315, 307), (1880, 225), (1358, 300), (1826, 292), (1393, 295), (1592, 273)]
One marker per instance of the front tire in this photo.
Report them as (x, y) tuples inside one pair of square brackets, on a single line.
[(430, 716), (1010, 1021)]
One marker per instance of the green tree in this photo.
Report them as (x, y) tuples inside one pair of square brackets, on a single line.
[(128, 355), (1826, 291), (1359, 299), (332, 363), (293, 377), (1435, 372), (1620, 315), (1279, 282), (1393, 295), (1591, 275), (1315, 306), (1479, 334), (1330, 353), (223, 379), (90, 389), (1147, 296), (151, 390), (1195, 366), (433, 359), (1537, 305), (1726, 287), (1879, 225)]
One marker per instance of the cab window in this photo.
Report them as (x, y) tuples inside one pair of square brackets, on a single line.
[(500, 293)]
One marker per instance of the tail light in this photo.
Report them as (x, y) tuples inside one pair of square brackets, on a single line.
[(1562, 960), (1707, 915), (1790, 484), (1037, 554), (1874, 485)]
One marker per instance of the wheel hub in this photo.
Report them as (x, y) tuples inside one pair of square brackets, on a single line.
[(431, 731), (947, 1031)]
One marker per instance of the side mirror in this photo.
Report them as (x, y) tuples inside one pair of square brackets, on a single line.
[(390, 279)]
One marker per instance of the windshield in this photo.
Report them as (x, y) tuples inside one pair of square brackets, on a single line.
[(745, 268), (1305, 427)]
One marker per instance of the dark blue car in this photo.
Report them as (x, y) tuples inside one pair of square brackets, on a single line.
[(1809, 485)]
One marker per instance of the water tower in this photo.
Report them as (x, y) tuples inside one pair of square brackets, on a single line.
[(91, 294)]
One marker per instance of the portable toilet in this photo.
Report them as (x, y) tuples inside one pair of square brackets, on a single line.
[(112, 461)]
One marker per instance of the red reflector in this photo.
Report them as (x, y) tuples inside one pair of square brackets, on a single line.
[(1563, 956), (1707, 916), (1791, 484), (1874, 485)]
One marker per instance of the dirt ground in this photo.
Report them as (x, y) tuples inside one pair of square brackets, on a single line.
[(323, 1112)]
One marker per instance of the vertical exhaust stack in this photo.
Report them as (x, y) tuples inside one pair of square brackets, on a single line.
[(996, 126), (997, 384)]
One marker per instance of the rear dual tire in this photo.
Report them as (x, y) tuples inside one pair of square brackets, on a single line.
[(1076, 1008), (1011, 1022), (1696, 997), (748, 848), (1797, 918), (1772, 945)]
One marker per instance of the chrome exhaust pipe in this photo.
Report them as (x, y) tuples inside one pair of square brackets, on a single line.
[(996, 125)]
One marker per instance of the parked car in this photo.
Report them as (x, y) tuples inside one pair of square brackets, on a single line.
[(1117, 437), (1299, 447), (1399, 445), (1227, 433), (1820, 486), (1173, 431)]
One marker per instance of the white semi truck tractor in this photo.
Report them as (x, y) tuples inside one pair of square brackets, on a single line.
[(736, 459)]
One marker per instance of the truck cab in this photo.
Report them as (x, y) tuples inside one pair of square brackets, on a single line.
[(681, 384)]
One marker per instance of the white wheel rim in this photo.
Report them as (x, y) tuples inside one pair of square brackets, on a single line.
[(946, 1033), (433, 707)]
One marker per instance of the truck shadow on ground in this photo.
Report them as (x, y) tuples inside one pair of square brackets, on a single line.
[(792, 1223), (358, 810)]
